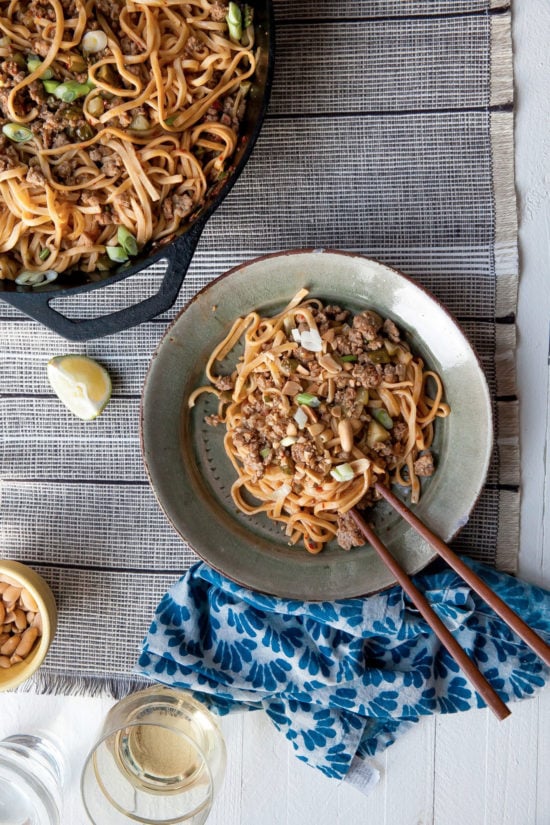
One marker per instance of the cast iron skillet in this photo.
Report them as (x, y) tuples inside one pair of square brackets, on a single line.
[(179, 252)]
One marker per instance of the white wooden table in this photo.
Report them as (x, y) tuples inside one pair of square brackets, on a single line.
[(466, 768)]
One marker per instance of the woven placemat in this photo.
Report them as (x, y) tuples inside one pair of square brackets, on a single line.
[(390, 132)]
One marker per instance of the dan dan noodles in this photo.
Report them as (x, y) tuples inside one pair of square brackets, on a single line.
[(320, 405), (116, 117)]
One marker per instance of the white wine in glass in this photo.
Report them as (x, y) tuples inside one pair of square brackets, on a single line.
[(160, 759)]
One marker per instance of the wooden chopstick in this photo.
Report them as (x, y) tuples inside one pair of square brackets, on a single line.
[(446, 638), (532, 639)]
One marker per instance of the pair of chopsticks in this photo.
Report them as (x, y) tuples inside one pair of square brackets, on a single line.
[(491, 697)]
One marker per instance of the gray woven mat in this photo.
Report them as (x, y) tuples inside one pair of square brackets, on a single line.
[(390, 133)]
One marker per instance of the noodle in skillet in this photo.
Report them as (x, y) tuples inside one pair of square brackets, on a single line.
[(117, 116), (320, 406)]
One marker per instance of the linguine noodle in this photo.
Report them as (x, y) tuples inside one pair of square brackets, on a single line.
[(153, 123), (319, 407)]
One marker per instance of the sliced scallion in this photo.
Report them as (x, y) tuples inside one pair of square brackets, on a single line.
[(127, 241), (35, 278), (116, 254), (44, 254), (94, 41), (17, 132), (307, 399), (349, 359), (71, 90), (34, 63), (265, 452), (234, 20), (51, 85), (343, 472)]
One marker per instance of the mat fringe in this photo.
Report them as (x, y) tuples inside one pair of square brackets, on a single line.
[(508, 532), (502, 64), (77, 684)]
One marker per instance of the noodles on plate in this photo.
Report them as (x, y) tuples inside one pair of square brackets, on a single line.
[(116, 117), (322, 404)]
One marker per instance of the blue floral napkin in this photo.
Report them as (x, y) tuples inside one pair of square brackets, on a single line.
[(341, 679)]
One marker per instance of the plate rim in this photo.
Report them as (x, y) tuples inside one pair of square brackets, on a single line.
[(430, 553)]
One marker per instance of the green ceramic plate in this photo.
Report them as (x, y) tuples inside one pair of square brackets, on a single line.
[(191, 475)]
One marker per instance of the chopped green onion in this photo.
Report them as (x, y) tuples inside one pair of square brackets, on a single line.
[(31, 277), (51, 85), (265, 452), (34, 63), (94, 41), (245, 87), (382, 417), (71, 90), (117, 254), (351, 359), (171, 120), (234, 20), (17, 132), (308, 399), (343, 472), (44, 254), (248, 16), (288, 440), (127, 241)]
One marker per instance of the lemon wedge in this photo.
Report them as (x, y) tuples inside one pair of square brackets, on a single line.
[(83, 385)]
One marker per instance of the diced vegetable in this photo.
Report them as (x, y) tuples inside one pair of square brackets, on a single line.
[(265, 452), (96, 106), (17, 132), (44, 254), (141, 124), (376, 433), (343, 472), (362, 396), (349, 358), (382, 417), (296, 335), (307, 399), (84, 132), (379, 356)]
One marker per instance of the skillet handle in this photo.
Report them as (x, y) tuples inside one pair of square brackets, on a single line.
[(179, 255)]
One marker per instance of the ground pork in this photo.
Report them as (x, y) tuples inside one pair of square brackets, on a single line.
[(348, 534), (424, 465)]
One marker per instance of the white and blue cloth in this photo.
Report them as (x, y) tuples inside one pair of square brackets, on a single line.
[(341, 678)]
